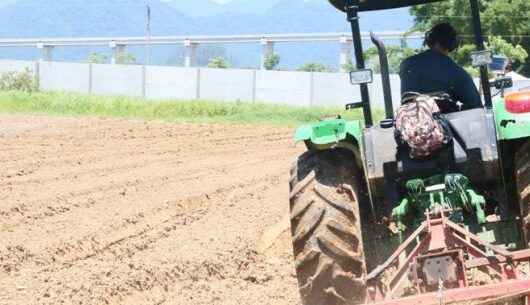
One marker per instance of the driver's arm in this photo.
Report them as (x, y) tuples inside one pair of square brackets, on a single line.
[(466, 91)]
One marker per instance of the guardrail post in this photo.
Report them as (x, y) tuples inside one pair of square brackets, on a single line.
[(345, 54), (190, 56), (118, 52), (46, 52), (267, 49)]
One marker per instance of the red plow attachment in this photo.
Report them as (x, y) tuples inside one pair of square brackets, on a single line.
[(443, 263)]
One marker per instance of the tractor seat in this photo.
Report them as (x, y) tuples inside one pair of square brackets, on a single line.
[(473, 151)]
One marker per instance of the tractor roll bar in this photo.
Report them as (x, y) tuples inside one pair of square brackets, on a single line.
[(479, 41), (352, 7)]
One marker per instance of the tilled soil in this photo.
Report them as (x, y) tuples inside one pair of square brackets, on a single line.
[(106, 211)]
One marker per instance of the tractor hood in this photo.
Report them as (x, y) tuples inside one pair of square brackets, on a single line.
[(371, 5)]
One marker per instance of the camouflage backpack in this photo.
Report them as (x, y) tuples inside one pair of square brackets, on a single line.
[(420, 127)]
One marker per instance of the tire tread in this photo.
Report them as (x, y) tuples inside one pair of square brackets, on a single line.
[(325, 226)]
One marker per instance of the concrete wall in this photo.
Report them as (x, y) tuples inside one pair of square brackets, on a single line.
[(376, 91), (227, 85), (292, 88), (65, 76), (125, 80), (171, 83), (157, 82), (333, 89)]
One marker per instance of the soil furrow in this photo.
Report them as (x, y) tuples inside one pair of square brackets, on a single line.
[(107, 211)]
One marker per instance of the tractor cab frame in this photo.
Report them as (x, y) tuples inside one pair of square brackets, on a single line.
[(352, 9)]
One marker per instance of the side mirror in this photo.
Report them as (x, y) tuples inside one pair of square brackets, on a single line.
[(358, 77), (481, 58)]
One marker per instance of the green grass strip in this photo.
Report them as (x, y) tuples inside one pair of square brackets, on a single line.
[(72, 104)]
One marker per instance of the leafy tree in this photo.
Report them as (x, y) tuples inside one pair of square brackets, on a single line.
[(507, 19), (98, 58), (21, 81), (205, 54), (218, 63), (501, 47), (314, 67), (126, 58), (349, 66), (498, 46), (271, 61), (396, 55)]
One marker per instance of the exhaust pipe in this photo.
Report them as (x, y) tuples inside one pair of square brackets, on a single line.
[(385, 76)]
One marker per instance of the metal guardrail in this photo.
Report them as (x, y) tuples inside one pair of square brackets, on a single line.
[(267, 41), (224, 39)]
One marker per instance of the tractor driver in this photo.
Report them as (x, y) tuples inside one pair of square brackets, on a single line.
[(434, 71)]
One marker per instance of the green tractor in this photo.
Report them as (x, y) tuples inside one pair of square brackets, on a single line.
[(370, 225)]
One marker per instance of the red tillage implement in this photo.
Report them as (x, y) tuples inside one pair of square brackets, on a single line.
[(438, 268)]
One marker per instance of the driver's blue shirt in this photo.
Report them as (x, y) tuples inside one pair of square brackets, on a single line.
[(432, 71)]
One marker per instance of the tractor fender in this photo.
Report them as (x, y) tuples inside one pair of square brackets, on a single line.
[(512, 125), (329, 132), (332, 133)]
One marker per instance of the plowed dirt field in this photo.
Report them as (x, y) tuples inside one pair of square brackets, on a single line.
[(106, 211)]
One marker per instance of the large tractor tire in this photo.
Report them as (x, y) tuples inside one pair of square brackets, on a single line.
[(522, 176), (326, 229)]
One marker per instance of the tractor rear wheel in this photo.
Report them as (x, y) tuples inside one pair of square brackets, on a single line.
[(326, 229), (522, 175)]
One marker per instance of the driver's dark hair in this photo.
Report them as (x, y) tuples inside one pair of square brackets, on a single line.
[(443, 34)]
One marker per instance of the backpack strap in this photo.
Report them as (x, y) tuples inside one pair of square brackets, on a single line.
[(409, 96)]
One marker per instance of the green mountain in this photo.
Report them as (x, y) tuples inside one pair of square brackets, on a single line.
[(34, 18)]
